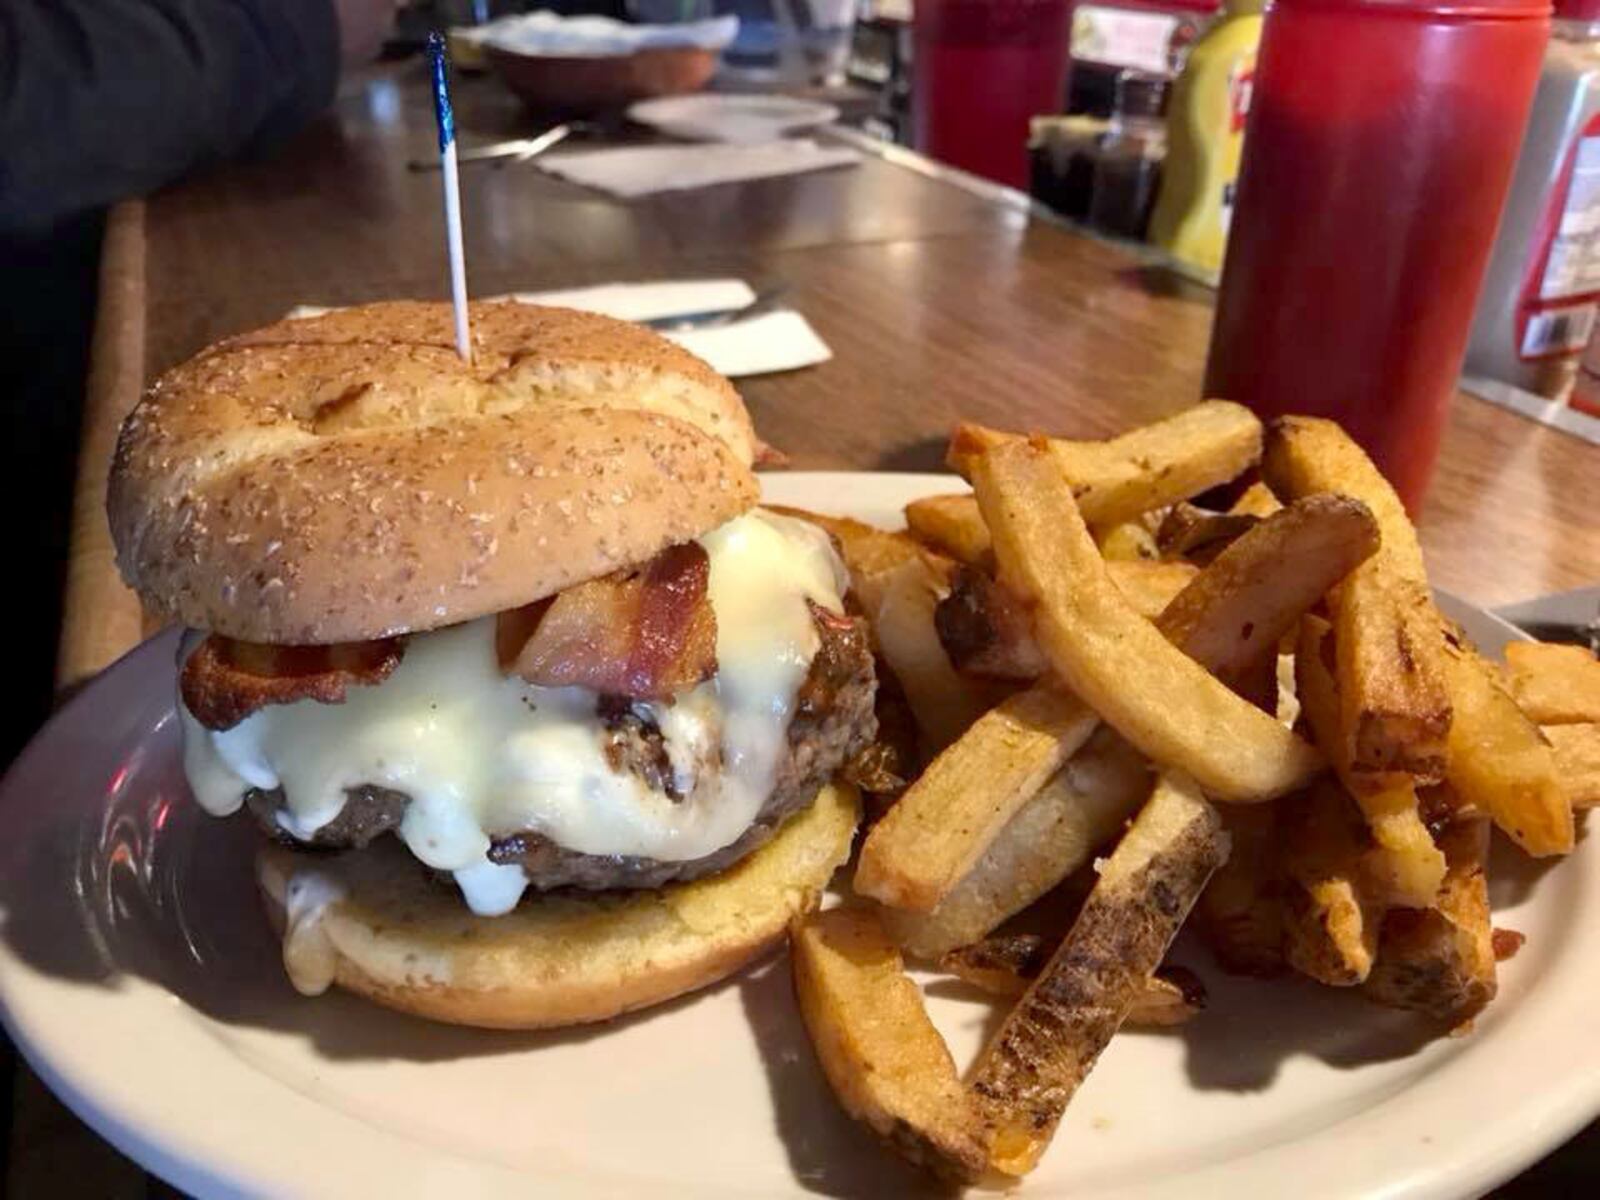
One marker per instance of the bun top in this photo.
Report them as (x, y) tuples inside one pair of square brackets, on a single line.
[(345, 477)]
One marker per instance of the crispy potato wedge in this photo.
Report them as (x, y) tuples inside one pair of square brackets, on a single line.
[(1156, 696), (885, 1060), (1128, 541), (1253, 592), (1395, 704), (1441, 960), (952, 525), (1577, 751), (1233, 613), (988, 632), (1146, 468), (1028, 1072), (1149, 586), (1003, 965), (1553, 684), (1080, 810), (910, 859), (1499, 761), (1256, 500), (1240, 914), (944, 701), (1404, 862), (1198, 534), (1331, 919)]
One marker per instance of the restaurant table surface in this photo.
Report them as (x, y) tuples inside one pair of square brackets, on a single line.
[(941, 300)]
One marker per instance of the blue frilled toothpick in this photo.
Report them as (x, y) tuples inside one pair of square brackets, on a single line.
[(452, 190)]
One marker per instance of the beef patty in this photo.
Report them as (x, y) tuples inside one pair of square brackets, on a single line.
[(833, 722)]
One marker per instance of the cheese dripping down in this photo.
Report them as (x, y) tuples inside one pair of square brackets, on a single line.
[(483, 755)]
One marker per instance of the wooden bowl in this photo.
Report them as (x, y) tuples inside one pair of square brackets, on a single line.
[(589, 84)]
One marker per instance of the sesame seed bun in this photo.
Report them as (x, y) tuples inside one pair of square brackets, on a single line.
[(348, 476), (563, 958)]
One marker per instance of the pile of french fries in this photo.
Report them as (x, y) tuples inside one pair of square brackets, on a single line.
[(1137, 712)]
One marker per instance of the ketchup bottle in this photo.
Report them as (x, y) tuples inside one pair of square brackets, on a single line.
[(1381, 141)]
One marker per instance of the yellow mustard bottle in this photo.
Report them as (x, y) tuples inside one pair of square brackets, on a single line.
[(1205, 136)]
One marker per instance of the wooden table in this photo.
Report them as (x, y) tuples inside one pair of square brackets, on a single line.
[(939, 300)]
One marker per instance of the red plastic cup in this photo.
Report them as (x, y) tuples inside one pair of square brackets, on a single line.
[(1381, 142), (980, 69)]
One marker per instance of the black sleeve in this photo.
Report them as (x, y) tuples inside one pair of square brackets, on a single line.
[(101, 99)]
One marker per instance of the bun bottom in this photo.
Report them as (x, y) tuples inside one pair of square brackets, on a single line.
[(383, 931)]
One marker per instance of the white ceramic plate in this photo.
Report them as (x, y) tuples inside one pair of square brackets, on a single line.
[(138, 976), (709, 117)]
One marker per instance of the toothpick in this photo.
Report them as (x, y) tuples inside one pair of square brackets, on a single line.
[(452, 191)]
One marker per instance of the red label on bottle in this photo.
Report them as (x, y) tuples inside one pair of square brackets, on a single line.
[(1240, 85), (1560, 294)]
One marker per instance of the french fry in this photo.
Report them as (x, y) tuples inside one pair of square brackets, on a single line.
[(1331, 920), (1577, 752), (1440, 960), (1499, 761), (1198, 535), (1404, 862), (952, 525), (909, 860), (1029, 1071), (944, 701), (883, 1057), (1080, 810), (1128, 541), (1554, 684), (1240, 914), (1003, 965), (1395, 705), (988, 632), (1171, 997), (1146, 468), (1256, 500), (1157, 697), (1232, 614), (1252, 593), (1150, 585)]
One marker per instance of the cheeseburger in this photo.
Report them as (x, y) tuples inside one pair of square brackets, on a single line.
[(538, 710)]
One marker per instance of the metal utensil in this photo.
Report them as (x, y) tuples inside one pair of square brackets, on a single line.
[(1572, 617), (518, 150), (1564, 631), (765, 300)]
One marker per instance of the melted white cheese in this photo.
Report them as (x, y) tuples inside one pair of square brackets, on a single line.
[(309, 957), (482, 755)]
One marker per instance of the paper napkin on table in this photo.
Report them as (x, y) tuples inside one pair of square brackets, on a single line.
[(779, 340), (643, 170)]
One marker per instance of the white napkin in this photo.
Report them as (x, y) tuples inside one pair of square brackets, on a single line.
[(643, 170), (779, 340)]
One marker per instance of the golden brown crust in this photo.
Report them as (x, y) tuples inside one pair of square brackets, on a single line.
[(563, 958), (348, 476)]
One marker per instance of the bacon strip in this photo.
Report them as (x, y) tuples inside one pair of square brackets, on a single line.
[(224, 680), (643, 634)]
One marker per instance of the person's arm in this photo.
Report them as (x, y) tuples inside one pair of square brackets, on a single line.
[(101, 99)]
